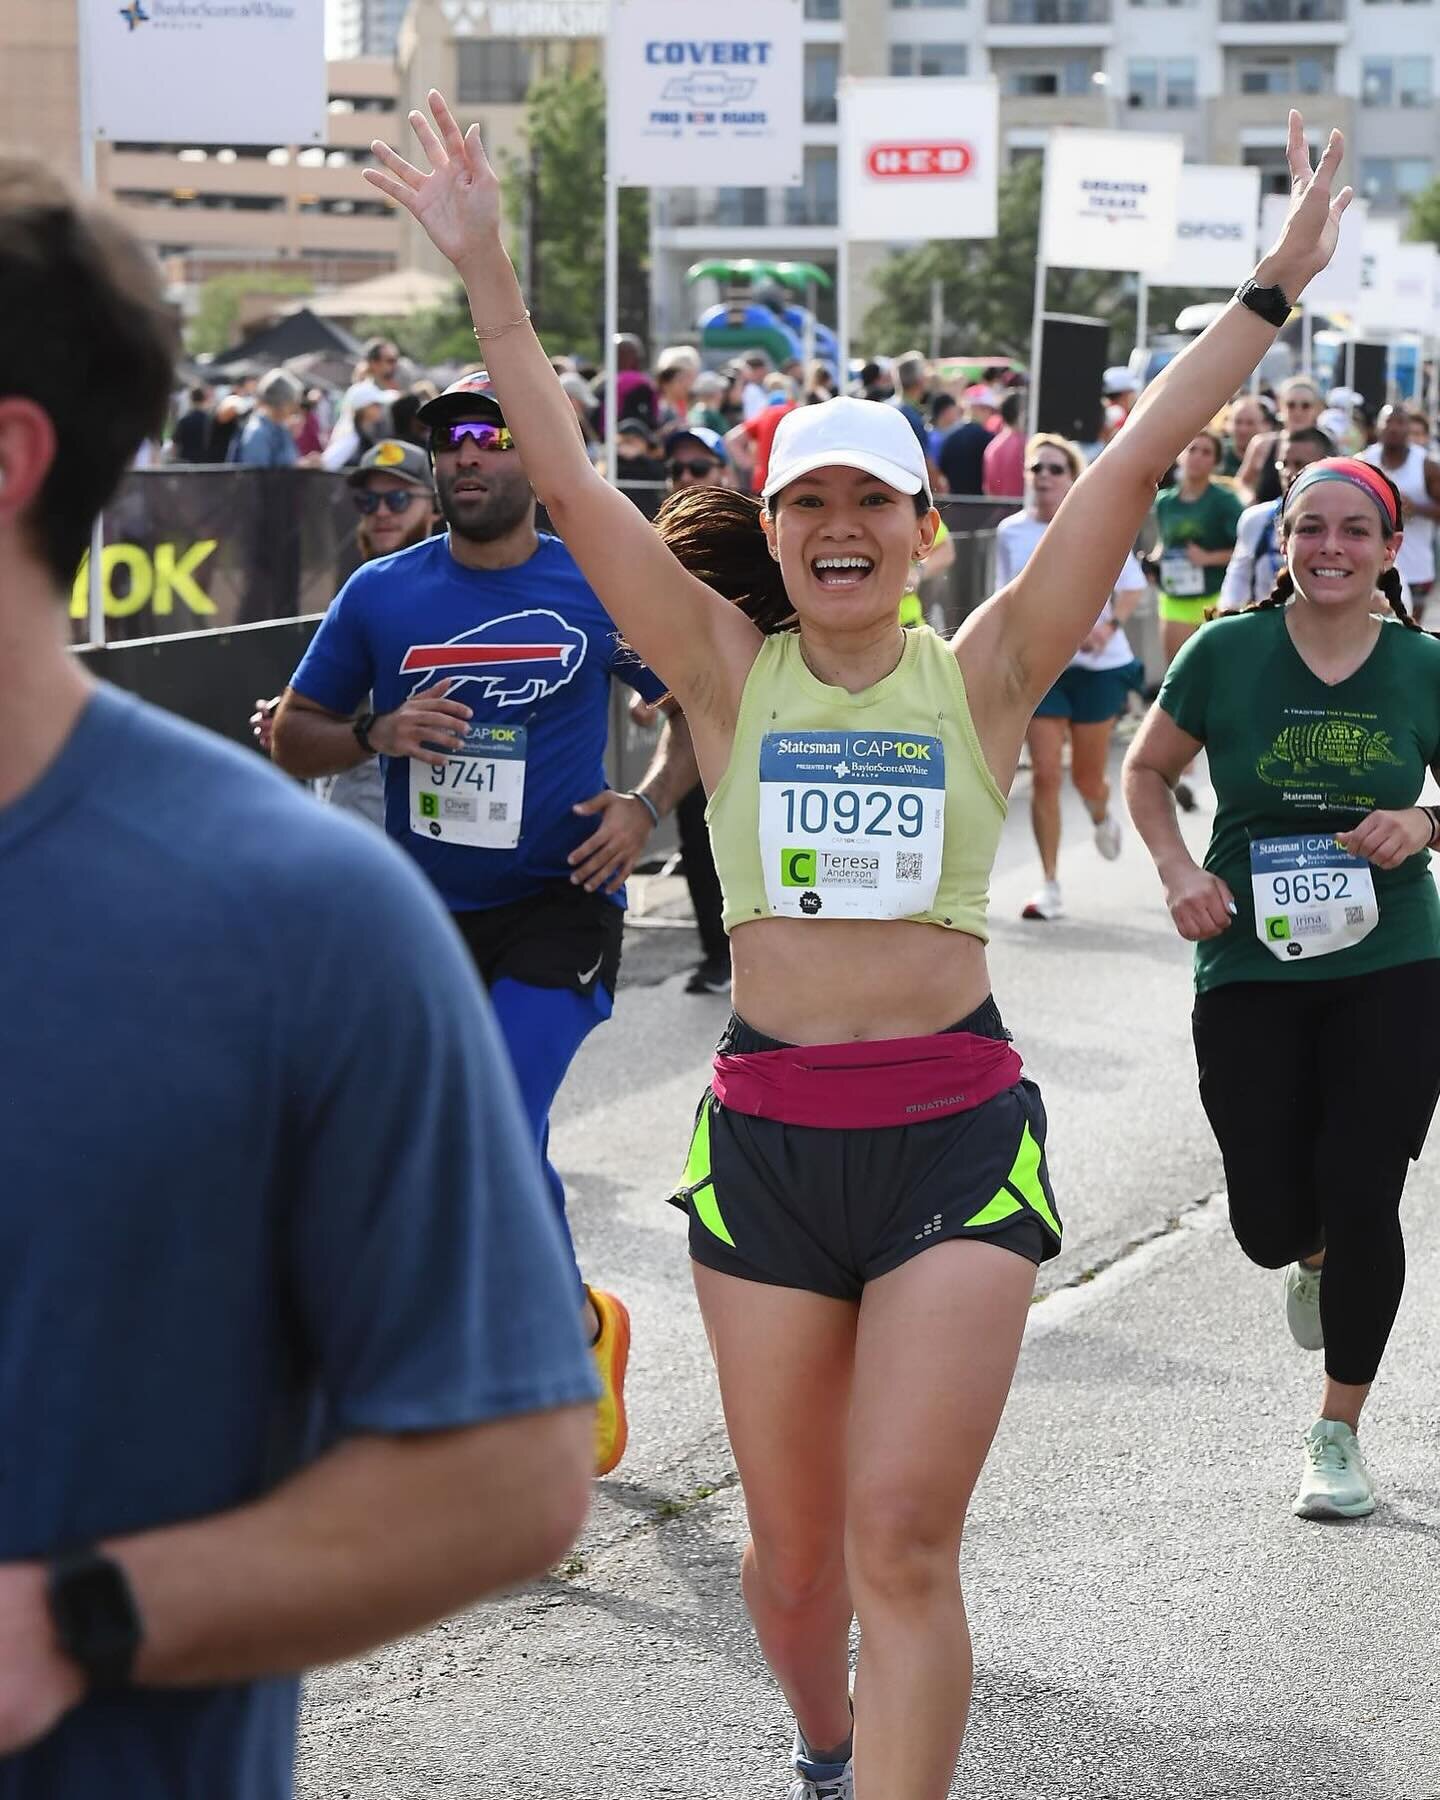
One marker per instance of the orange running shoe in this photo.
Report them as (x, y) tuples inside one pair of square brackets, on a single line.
[(612, 1352)]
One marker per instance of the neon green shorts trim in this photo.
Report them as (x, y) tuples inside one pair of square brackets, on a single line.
[(1187, 611)]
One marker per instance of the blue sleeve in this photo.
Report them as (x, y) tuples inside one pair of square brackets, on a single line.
[(431, 1282), (338, 669), (627, 667), (285, 454)]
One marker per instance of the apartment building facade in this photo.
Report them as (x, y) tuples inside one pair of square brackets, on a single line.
[(1220, 73), (364, 27)]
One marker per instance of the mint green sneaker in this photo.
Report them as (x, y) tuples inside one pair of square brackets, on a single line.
[(1302, 1306), (1336, 1484)]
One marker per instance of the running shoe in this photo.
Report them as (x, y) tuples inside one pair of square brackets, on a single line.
[(1336, 1484), (836, 1785), (1044, 903), (612, 1352), (1184, 796), (711, 977), (1302, 1306), (1108, 837)]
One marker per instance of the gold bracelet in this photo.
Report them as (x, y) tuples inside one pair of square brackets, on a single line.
[(495, 331)]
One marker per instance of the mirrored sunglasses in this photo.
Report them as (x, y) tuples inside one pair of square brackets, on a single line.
[(394, 500), (487, 437)]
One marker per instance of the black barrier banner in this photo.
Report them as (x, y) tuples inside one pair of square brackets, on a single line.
[(209, 549)]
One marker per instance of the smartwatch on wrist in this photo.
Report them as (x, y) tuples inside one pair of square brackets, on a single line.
[(96, 1619), (361, 728), (1269, 303)]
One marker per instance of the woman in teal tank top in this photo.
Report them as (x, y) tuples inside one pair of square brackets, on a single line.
[(867, 1188)]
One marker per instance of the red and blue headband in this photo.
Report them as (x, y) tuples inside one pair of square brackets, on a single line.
[(1360, 475)]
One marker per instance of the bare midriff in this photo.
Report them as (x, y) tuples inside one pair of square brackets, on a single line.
[(837, 980)]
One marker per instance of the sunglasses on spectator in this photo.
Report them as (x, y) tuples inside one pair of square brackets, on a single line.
[(1038, 468), (698, 468), (394, 500), (486, 437)]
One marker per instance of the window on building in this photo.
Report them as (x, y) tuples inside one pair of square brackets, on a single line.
[(1161, 82), (822, 76), (1159, 3), (822, 10), (817, 203), (1391, 181), (1070, 76), (492, 71), (927, 5), (1303, 73), (1396, 81), (929, 59)]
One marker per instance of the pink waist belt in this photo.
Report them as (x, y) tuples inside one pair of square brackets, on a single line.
[(867, 1086)]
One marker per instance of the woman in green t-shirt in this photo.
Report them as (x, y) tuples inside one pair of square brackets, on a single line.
[(1316, 926), (1196, 520)]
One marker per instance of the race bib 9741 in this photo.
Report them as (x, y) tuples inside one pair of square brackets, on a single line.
[(478, 796), (1311, 897), (852, 823)]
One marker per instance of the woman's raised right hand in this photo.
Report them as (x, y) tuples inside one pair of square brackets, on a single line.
[(458, 201)]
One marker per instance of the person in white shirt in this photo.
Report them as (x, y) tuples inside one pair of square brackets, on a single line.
[(1417, 475), (1090, 695), (1250, 573)]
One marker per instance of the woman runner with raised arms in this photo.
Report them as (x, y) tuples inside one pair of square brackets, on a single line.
[(867, 1210)]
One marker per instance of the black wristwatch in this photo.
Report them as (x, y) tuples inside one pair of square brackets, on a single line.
[(361, 728), (1269, 302), (96, 1618)]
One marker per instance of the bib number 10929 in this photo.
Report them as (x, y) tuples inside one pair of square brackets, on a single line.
[(853, 812)]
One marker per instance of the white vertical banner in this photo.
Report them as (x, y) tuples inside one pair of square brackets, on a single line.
[(203, 72), (919, 159), (1111, 200), (700, 96), (1341, 283), (1378, 244), (1217, 208), (1412, 286)]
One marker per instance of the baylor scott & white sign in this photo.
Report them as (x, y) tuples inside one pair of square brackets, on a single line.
[(705, 96)]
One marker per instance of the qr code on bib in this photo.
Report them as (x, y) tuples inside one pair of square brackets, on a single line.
[(499, 811), (909, 865), (1354, 915)]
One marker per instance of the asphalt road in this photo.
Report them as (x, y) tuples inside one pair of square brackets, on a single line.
[(1150, 1621)]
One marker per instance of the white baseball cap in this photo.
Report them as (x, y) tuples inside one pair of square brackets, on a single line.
[(1119, 380), (848, 434)]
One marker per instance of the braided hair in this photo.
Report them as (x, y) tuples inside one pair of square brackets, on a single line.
[(715, 533), (1389, 583)]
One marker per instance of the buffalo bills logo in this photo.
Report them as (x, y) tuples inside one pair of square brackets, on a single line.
[(515, 661)]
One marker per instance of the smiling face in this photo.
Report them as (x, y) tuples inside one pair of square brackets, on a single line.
[(846, 541), (1336, 545), (382, 532)]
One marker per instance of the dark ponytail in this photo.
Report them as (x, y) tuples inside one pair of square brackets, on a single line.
[(1389, 583), (715, 533)]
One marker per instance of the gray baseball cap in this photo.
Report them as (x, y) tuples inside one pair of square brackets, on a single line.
[(392, 457)]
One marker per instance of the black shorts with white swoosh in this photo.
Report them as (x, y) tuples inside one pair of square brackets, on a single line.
[(560, 937)]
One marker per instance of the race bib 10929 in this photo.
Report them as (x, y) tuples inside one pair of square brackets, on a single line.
[(852, 823)]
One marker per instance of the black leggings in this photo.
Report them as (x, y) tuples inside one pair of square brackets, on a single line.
[(1319, 1094), (698, 862)]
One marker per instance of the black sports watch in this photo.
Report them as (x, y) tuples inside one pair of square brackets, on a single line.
[(361, 728), (1269, 302), (96, 1618)]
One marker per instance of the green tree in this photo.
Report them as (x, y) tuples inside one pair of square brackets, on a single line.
[(555, 197), (1424, 222), (439, 334), (988, 286), (214, 326)]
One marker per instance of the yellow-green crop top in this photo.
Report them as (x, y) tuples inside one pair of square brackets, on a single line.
[(871, 805)]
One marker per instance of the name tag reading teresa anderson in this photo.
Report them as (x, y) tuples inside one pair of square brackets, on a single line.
[(1311, 897), (852, 823), (478, 797)]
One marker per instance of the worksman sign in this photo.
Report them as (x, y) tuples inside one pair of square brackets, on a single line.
[(701, 95), (205, 71)]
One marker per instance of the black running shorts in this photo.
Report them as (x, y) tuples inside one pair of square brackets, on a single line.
[(561, 937), (828, 1210)]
